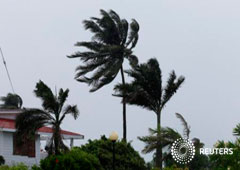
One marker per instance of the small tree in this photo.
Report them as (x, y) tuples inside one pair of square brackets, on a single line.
[(53, 113), (11, 101)]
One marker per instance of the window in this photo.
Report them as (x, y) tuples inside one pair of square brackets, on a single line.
[(25, 149)]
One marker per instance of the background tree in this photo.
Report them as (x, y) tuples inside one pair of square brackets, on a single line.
[(11, 101), (113, 41), (53, 113), (146, 91), (167, 138), (227, 161)]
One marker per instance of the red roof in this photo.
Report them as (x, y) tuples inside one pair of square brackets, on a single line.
[(10, 124)]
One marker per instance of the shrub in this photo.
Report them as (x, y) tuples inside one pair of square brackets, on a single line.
[(126, 157), (75, 159), (19, 166), (35, 167), (2, 160)]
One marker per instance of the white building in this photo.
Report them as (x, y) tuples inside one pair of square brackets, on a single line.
[(29, 153)]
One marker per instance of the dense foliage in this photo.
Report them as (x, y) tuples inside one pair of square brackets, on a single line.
[(19, 166), (2, 160), (126, 157), (222, 162), (11, 101), (73, 160)]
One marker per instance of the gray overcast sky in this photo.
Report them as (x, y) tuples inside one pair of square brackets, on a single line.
[(198, 39)]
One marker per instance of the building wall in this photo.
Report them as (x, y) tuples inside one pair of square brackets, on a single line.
[(6, 150)]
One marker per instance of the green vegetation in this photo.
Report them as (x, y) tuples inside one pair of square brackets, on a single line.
[(53, 113), (19, 166), (112, 42), (11, 101), (126, 157), (146, 91), (220, 162), (73, 160)]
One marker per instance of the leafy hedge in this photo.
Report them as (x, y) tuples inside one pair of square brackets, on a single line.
[(19, 166), (75, 159), (126, 157)]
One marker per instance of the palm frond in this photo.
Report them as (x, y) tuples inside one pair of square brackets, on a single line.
[(43, 92), (133, 35), (173, 84), (62, 97), (73, 110), (28, 122), (159, 138), (186, 127)]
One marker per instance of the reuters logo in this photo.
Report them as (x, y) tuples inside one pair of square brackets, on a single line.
[(183, 151)]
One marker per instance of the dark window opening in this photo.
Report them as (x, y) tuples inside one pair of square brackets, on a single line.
[(27, 148)]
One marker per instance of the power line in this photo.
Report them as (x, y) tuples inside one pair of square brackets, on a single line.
[(5, 64)]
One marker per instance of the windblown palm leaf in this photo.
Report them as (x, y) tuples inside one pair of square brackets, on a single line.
[(186, 127), (11, 101), (154, 140), (53, 113)]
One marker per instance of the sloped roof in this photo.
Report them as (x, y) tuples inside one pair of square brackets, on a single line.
[(10, 124)]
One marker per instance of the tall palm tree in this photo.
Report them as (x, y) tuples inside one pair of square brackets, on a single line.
[(146, 91), (113, 41), (11, 101), (53, 113)]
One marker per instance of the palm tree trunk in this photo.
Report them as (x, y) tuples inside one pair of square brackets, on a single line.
[(159, 149), (124, 110), (56, 140)]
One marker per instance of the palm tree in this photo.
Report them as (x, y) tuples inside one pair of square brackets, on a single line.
[(11, 101), (113, 41), (165, 139), (146, 91), (53, 113)]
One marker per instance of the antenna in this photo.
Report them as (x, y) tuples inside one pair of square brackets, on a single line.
[(5, 64)]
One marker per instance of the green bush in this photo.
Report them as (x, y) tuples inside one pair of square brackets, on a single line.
[(2, 160), (126, 157), (73, 160), (20, 166), (35, 167)]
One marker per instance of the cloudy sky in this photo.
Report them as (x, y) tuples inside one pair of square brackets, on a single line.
[(198, 39)]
